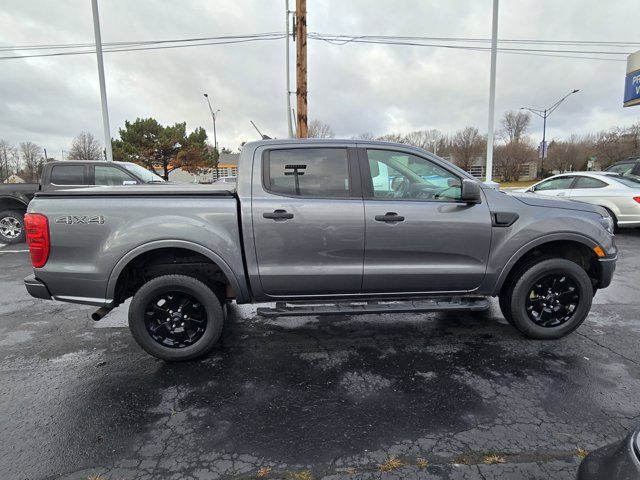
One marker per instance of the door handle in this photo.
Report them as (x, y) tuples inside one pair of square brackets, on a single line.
[(389, 217), (278, 215), (561, 194)]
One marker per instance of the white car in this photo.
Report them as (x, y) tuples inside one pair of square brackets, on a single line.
[(619, 194), (229, 180)]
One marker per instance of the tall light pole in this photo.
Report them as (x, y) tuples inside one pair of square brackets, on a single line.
[(492, 95), (103, 88), (544, 114), (213, 116)]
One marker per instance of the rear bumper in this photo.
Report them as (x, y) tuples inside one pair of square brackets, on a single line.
[(36, 288), (607, 267)]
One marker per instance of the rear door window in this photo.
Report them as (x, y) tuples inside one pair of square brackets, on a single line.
[(588, 182), (68, 175), (308, 172)]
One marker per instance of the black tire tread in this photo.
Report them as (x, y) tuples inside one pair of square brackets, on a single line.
[(202, 292)]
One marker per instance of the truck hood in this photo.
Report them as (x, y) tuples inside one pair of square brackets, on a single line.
[(540, 201)]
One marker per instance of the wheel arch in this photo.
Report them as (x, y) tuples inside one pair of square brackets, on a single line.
[(141, 251), (561, 245), (11, 202)]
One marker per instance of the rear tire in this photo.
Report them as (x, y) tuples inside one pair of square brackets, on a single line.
[(176, 318), (549, 299), (12, 226)]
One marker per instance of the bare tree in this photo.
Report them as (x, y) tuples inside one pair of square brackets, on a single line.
[(9, 161), (319, 129), (364, 136), (514, 125), (510, 158), (85, 147), (426, 139), (31, 155), (467, 145), (392, 137), (569, 155)]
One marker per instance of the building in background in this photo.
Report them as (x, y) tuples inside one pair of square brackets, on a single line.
[(227, 165)]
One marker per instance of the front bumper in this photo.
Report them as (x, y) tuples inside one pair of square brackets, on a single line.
[(36, 288), (617, 461), (607, 267)]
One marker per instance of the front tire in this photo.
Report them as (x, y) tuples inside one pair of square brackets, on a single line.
[(549, 299), (176, 318), (12, 226)]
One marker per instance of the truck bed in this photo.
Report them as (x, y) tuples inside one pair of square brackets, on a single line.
[(145, 190)]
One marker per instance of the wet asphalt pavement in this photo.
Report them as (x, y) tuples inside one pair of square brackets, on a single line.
[(454, 396)]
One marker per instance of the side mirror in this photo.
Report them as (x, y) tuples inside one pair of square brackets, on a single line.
[(470, 191)]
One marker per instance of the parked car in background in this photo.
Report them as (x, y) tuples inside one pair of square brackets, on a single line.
[(617, 461), (63, 175), (628, 166), (618, 194), (226, 180)]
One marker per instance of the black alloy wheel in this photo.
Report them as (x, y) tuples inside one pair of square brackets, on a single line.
[(552, 301)]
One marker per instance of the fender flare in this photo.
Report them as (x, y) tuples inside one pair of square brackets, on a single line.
[(16, 198), (240, 292), (522, 251)]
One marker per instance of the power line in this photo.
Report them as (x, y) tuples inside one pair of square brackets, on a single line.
[(87, 48)]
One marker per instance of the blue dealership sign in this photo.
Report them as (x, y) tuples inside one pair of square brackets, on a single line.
[(632, 80)]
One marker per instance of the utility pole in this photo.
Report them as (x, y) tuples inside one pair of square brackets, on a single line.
[(492, 95), (103, 88), (287, 72), (301, 67)]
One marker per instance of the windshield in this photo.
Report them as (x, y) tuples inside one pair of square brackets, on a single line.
[(145, 175), (628, 180)]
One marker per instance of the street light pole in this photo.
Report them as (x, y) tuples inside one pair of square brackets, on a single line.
[(103, 88), (492, 95), (544, 114), (213, 116)]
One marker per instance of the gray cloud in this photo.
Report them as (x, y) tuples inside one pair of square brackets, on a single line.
[(356, 88)]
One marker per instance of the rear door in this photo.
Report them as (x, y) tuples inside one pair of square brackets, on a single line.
[(308, 221), (420, 237)]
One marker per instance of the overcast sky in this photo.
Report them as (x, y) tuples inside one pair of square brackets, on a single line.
[(355, 87)]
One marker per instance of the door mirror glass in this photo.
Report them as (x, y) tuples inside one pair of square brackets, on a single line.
[(471, 191)]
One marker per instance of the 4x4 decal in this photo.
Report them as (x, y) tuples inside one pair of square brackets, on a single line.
[(77, 219)]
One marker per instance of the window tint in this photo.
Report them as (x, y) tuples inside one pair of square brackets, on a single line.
[(401, 175), (588, 182), (559, 183), (111, 176), (67, 175), (622, 169), (309, 172)]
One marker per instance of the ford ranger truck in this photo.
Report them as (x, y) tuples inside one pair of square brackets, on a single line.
[(318, 227)]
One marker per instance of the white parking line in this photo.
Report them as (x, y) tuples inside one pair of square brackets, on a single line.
[(13, 251)]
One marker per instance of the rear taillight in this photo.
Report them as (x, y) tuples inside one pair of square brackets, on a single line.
[(37, 228), (637, 199)]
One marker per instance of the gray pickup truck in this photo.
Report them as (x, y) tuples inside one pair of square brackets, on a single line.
[(63, 175), (318, 227)]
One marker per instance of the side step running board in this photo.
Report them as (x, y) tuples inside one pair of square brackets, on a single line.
[(290, 309)]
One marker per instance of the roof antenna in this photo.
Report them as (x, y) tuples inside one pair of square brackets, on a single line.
[(264, 137)]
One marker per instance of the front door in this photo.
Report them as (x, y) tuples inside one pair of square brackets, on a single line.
[(308, 221), (419, 236)]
